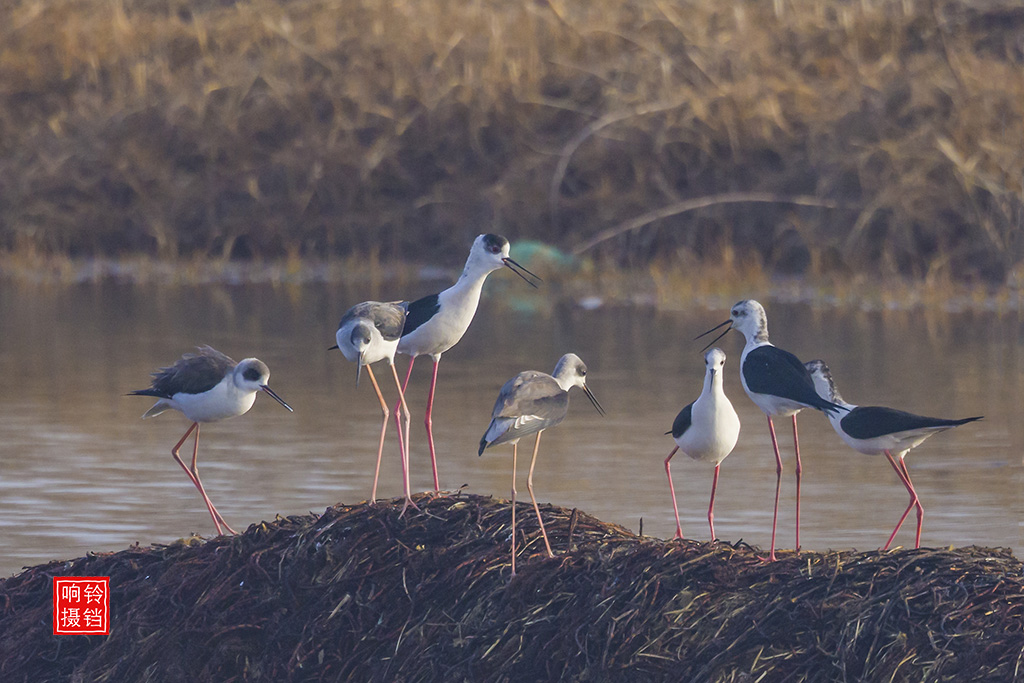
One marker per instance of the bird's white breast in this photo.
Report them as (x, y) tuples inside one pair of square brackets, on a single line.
[(223, 401), (714, 429), (457, 306)]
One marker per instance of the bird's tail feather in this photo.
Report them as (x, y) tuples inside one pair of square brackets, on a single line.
[(147, 392), (830, 408), (158, 408)]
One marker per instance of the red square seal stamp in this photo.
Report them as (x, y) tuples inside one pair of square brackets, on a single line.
[(81, 605)]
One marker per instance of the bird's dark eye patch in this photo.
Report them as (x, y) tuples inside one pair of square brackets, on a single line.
[(251, 374), (494, 243), (583, 372)]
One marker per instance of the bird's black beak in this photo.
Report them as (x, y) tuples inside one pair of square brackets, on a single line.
[(593, 399), (712, 342), (331, 348), (359, 368), (513, 266), (276, 397)]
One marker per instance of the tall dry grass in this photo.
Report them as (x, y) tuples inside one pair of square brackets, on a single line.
[(384, 128)]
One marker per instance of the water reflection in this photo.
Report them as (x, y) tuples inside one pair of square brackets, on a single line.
[(80, 471)]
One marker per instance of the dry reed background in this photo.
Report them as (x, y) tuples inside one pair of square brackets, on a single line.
[(885, 136)]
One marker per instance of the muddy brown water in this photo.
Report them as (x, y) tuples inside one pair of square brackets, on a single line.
[(80, 471)]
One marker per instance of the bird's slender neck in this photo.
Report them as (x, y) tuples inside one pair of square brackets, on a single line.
[(470, 282), (476, 270), (826, 388), (713, 384), (756, 341), (465, 293), (759, 335), (566, 383), (564, 375)]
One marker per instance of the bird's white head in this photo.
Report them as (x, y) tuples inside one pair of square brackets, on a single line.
[(714, 361), (571, 371), (360, 337), (252, 375), (491, 252), (823, 382), (748, 317)]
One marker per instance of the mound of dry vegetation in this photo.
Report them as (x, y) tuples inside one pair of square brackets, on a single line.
[(811, 136), (361, 593)]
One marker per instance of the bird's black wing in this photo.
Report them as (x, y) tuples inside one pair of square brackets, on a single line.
[(419, 312), (868, 422), (771, 370), (193, 373), (682, 422)]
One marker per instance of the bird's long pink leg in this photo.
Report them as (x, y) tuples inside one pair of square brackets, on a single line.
[(515, 448), (905, 479), (403, 444), (917, 501), (383, 430), (193, 475), (711, 506), (529, 487), (799, 473), (778, 487), (430, 423), (672, 489), (195, 472)]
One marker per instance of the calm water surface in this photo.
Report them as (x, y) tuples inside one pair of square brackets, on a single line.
[(80, 471)]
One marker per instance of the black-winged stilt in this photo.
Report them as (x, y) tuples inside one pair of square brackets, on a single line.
[(706, 430), (778, 383), (368, 333), (874, 430), (206, 387), (436, 323), (528, 404)]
